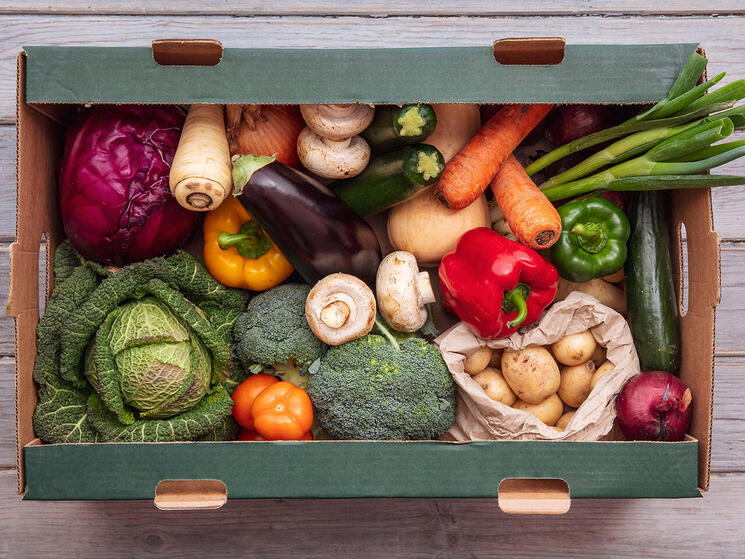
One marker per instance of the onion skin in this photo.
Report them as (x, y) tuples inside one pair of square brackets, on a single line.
[(570, 122), (654, 406), (265, 130)]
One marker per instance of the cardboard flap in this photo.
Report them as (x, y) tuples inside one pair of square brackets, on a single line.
[(692, 209), (534, 496), (629, 74), (23, 295)]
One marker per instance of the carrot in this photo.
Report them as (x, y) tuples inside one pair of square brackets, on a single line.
[(468, 174), (201, 171), (531, 217)]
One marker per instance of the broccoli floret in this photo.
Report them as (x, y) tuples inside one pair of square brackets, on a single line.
[(373, 388), (273, 330)]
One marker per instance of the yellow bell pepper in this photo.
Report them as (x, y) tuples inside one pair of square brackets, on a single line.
[(238, 253)]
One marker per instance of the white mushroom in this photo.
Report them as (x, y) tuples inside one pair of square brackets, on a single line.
[(403, 291), (338, 121), (340, 308), (332, 159)]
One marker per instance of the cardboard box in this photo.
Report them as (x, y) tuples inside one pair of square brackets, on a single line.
[(526, 475)]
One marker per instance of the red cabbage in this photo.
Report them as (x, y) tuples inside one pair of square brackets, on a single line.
[(114, 196)]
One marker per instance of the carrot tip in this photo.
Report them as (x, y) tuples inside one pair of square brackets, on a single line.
[(545, 237)]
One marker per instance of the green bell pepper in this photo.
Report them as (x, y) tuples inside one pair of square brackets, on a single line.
[(593, 239)]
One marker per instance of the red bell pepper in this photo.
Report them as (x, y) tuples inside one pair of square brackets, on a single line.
[(494, 284)]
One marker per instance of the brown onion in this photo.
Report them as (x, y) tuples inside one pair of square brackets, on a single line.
[(654, 406), (265, 130)]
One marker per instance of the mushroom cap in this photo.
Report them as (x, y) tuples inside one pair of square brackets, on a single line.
[(338, 121), (403, 291), (332, 159), (327, 301)]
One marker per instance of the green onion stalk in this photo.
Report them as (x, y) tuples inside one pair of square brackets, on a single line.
[(686, 153), (637, 143), (684, 103)]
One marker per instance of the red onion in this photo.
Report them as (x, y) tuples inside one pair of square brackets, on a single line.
[(654, 406), (570, 122)]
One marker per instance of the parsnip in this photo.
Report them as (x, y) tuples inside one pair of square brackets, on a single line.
[(201, 171)]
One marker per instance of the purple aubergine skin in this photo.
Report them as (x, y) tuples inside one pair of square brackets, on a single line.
[(314, 229)]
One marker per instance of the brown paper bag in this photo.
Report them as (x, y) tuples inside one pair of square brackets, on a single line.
[(481, 418)]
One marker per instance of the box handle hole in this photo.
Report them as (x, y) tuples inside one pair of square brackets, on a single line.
[(530, 51), (533, 496), (187, 52), (190, 494), (683, 287)]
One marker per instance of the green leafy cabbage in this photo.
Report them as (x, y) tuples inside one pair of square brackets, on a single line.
[(141, 354)]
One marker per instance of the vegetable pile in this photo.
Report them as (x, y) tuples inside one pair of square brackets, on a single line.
[(336, 339)]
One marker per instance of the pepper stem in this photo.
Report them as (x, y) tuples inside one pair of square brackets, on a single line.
[(515, 299), (591, 236), (250, 241), (227, 240), (582, 231)]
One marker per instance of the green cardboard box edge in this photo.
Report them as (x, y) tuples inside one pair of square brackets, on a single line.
[(629, 74), (342, 469)]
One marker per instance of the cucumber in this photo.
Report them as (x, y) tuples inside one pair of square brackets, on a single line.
[(396, 127), (650, 291), (390, 179)]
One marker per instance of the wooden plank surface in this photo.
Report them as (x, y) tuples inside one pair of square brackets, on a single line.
[(375, 8), (379, 528), (709, 527)]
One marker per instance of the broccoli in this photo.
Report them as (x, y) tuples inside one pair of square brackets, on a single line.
[(376, 387), (274, 331)]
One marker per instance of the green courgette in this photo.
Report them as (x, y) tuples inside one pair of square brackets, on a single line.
[(390, 179), (395, 127), (650, 290)]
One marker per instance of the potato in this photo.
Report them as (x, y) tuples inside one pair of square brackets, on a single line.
[(496, 358), (598, 355), (574, 349), (493, 383), (564, 420), (607, 293), (549, 410), (606, 367), (575, 383), (477, 360), (531, 373)]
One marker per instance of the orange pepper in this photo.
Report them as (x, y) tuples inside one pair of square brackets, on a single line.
[(232, 268), (282, 412)]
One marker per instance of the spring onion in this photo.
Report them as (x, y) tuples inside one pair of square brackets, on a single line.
[(685, 102), (669, 157)]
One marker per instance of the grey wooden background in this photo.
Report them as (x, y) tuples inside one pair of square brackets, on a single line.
[(708, 527)]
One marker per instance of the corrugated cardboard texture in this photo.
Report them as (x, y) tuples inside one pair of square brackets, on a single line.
[(588, 74), (38, 145), (693, 209), (362, 469)]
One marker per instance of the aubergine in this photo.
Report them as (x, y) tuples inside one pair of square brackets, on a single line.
[(317, 232)]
